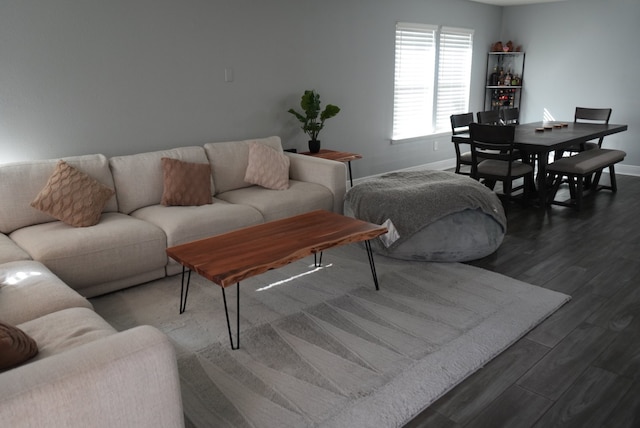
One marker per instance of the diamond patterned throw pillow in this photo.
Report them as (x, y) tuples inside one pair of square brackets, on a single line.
[(73, 197), (267, 167)]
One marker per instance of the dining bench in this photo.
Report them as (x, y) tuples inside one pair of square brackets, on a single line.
[(576, 168)]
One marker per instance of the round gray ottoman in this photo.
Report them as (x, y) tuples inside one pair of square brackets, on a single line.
[(432, 215)]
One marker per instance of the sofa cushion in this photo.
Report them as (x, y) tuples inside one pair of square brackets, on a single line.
[(16, 346), (21, 182), (118, 247), (66, 329), (10, 251), (139, 180), (267, 168), (299, 198), (185, 183), (29, 290), (72, 196), (229, 161), (185, 224)]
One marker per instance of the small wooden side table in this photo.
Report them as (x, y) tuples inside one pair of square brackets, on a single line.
[(336, 156)]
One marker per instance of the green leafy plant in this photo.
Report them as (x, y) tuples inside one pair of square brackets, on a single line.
[(313, 120)]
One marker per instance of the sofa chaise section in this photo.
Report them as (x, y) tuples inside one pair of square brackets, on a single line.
[(117, 252), (29, 290), (93, 376)]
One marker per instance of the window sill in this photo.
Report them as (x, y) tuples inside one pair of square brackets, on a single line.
[(423, 138)]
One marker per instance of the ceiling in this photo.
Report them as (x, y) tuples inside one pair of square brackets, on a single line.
[(513, 2)]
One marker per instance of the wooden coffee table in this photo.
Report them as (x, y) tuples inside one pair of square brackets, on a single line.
[(231, 257)]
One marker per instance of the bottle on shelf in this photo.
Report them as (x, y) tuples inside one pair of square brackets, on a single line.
[(493, 80)]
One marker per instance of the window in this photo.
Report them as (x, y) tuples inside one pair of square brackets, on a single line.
[(432, 78)]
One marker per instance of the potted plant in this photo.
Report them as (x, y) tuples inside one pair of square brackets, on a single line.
[(311, 123)]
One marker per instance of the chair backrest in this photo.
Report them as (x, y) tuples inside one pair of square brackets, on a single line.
[(510, 116), (592, 115), (491, 142), (460, 122), (585, 114), (490, 117)]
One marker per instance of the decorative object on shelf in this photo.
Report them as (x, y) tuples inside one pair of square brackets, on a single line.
[(507, 47), (311, 124)]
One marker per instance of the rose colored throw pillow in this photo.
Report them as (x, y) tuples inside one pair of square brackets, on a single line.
[(186, 183), (267, 167), (73, 197), (16, 346)]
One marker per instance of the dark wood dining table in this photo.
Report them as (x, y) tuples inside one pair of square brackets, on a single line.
[(532, 141)]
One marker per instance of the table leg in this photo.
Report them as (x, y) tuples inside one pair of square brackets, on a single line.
[(367, 244), (184, 291), (543, 159), (317, 263), (350, 175), (226, 312)]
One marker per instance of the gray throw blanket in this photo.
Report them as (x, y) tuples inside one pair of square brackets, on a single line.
[(415, 199)]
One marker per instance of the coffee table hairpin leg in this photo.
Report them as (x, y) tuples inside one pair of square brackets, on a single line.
[(184, 291), (367, 244), (226, 312)]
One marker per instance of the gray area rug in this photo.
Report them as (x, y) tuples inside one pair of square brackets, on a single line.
[(320, 347)]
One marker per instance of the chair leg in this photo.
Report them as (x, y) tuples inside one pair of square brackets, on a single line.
[(580, 188), (612, 177)]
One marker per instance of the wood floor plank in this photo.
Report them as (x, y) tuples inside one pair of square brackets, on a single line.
[(555, 373), (516, 407), (621, 310), (589, 402), (432, 419), (488, 383), (622, 356), (555, 328), (627, 413)]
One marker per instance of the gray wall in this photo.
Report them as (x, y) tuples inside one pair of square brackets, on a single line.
[(582, 53), (128, 76)]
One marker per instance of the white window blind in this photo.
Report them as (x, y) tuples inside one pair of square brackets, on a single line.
[(454, 75), (414, 80), (432, 78)]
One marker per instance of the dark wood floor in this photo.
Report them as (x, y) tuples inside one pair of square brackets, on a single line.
[(580, 367)]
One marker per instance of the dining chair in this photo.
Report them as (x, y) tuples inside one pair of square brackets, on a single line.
[(510, 116), (586, 115), (460, 124), (489, 117), (592, 115), (494, 158)]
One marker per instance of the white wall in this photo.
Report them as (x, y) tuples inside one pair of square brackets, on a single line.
[(127, 76), (582, 53)]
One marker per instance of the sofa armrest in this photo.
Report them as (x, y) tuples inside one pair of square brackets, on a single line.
[(129, 379), (331, 174)]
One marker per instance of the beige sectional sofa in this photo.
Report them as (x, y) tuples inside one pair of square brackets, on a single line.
[(86, 373)]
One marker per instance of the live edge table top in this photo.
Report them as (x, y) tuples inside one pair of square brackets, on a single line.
[(228, 258)]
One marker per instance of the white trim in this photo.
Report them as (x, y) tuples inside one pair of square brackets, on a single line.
[(623, 169), (422, 138)]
